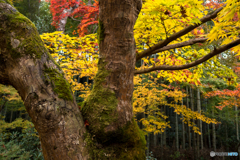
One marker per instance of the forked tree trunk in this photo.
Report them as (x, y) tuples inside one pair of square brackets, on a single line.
[(26, 64)]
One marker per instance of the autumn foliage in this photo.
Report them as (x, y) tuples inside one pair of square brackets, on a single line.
[(157, 21), (77, 10)]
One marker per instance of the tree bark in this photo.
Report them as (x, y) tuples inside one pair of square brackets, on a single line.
[(26, 65), (108, 109)]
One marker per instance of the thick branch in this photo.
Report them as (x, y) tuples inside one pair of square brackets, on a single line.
[(192, 64), (173, 37), (181, 44)]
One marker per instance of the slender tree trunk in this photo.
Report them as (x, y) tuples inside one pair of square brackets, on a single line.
[(192, 107), (213, 131), (189, 128), (155, 136), (66, 12), (89, 2), (4, 102), (199, 121), (208, 130), (20, 114), (148, 144), (183, 131), (198, 141), (227, 118), (161, 145), (209, 137), (201, 125), (164, 134), (237, 133), (5, 113), (204, 135), (11, 115), (176, 131)]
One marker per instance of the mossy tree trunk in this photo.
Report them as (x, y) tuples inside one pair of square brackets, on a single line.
[(108, 109), (26, 65)]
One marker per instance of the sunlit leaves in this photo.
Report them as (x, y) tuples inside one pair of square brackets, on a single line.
[(76, 56), (226, 26), (149, 97)]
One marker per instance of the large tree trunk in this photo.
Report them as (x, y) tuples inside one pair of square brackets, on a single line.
[(108, 109), (26, 64)]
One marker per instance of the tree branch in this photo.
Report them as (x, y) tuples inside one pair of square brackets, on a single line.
[(181, 44), (192, 64), (173, 37), (74, 19)]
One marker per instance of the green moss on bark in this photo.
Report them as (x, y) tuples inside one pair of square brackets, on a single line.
[(60, 85), (100, 106), (100, 31), (129, 145), (6, 1), (99, 109), (21, 35)]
